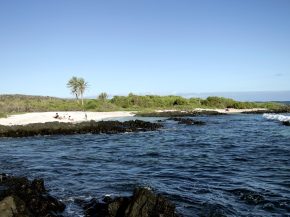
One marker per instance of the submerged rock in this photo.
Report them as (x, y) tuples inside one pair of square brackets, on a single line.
[(286, 123), (216, 210), (249, 196), (53, 128), (143, 203), (187, 121), (20, 197), (257, 199)]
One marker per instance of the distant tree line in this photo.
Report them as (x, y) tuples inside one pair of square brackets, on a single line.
[(23, 103)]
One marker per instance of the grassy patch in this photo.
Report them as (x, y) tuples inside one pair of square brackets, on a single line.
[(3, 115)]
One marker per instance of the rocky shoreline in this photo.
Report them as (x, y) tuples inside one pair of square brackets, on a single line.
[(228, 111), (286, 109), (20, 197), (93, 127), (179, 113)]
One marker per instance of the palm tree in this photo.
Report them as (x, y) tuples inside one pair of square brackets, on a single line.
[(78, 87), (82, 86), (103, 96), (74, 86)]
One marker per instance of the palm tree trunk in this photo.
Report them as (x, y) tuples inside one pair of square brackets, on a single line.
[(77, 98)]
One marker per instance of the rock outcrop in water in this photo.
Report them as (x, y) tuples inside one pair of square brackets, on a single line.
[(248, 196), (257, 199), (143, 203), (20, 197), (54, 128), (187, 121), (286, 123)]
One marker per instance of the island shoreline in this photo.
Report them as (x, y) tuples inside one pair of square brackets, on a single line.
[(79, 116)]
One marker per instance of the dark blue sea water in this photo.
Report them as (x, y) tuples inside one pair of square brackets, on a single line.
[(235, 165)]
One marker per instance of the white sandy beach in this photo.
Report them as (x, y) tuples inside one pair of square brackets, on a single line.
[(75, 116)]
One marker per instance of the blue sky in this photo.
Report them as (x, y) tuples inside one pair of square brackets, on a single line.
[(144, 46)]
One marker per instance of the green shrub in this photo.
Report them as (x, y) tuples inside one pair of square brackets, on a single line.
[(121, 101), (218, 102), (271, 105), (91, 104), (106, 107), (3, 115), (103, 96)]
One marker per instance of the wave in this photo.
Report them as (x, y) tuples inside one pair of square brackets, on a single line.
[(281, 118)]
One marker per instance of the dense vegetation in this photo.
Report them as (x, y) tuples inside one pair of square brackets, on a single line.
[(178, 102), (24, 103)]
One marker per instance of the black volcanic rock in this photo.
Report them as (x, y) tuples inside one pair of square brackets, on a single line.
[(284, 109), (286, 123), (57, 128), (24, 198), (143, 203), (249, 196), (187, 121)]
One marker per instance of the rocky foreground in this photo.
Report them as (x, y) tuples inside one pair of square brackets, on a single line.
[(20, 197), (143, 203), (93, 127)]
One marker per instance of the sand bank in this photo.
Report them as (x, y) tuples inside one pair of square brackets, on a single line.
[(71, 116)]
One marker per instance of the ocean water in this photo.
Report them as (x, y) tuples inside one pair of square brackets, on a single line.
[(235, 165)]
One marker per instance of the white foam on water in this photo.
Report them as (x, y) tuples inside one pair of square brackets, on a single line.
[(281, 118)]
